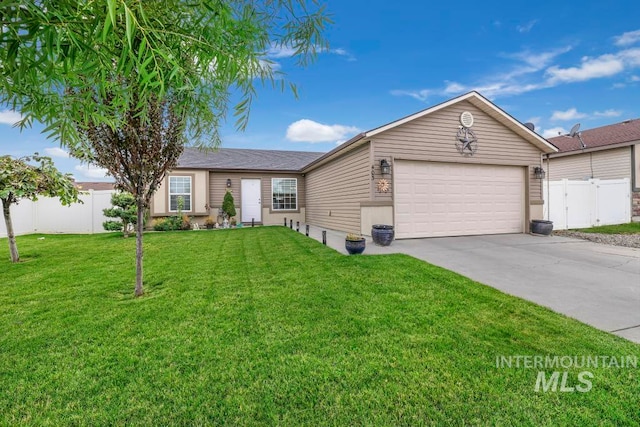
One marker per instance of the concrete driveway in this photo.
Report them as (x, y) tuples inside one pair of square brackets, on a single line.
[(594, 283)]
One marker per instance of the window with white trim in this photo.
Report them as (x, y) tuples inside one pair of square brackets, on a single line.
[(284, 194), (179, 186)]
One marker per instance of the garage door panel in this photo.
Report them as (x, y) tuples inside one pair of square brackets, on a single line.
[(451, 199)]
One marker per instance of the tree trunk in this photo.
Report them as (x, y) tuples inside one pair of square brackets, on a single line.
[(139, 249), (13, 248)]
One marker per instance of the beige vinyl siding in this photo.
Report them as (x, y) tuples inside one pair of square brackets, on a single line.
[(433, 138), (199, 191), (535, 186), (635, 155), (336, 189), (608, 164), (218, 187)]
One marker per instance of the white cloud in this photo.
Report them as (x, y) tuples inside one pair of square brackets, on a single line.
[(525, 28), (280, 51), (590, 68), (309, 131), (608, 113), (91, 171), (631, 57), (420, 95), (56, 152), (496, 90), (570, 114), (627, 38), (551, 132), (343, 52), (573, 114), (533, 71), (453, 88), (266, 65), (9, 117), (539, 60), (505, 84)]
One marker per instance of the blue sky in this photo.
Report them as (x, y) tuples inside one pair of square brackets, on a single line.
[(551, 63)]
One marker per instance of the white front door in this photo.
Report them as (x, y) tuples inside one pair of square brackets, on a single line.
[(251, 205)]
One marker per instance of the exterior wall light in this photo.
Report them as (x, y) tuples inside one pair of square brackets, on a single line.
[(385, 167), (229, 183), (539, 173)]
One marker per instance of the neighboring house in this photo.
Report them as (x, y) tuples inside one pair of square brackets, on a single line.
[(442, 179), (95, 186), (609, 152)]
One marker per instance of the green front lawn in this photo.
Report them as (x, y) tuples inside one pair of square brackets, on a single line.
[(266, 326), (630, 228)]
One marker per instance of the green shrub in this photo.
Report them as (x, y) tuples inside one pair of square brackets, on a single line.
[(160, 224), (125, 210), (228, 205), (171, 223), (112, 225), (179, 221)]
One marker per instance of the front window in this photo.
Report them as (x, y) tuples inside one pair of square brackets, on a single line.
[(285, 194), (179, 187)]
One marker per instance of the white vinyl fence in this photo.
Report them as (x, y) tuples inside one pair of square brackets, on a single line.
[(47, 215), (590, 203)]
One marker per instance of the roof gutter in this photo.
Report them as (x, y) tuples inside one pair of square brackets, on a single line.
[(345, 146), (474, 98), (593, 149)]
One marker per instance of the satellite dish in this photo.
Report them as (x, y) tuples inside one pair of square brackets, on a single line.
[(574, 130), (530, 126)]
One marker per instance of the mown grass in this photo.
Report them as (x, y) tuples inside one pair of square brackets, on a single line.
[(264, 326), (629, 228)]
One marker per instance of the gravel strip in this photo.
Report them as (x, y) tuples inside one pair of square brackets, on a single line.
[(629, 240)]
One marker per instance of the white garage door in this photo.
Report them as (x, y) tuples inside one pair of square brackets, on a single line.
[(451, 199)]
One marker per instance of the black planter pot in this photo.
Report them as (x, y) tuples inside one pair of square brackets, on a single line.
[(540, 226), (382, 234), (355, 246)]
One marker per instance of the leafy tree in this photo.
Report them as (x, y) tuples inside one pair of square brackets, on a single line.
[(124, 209), (137, 155), (21, 180), (124, 83), (228, 205)]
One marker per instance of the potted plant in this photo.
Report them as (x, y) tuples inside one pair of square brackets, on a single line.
[(209, 222), (354, 243)]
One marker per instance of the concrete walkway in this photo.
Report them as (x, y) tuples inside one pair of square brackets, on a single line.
[(594, 283)]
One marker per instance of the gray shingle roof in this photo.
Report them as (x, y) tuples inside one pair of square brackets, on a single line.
[(246, 159)]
